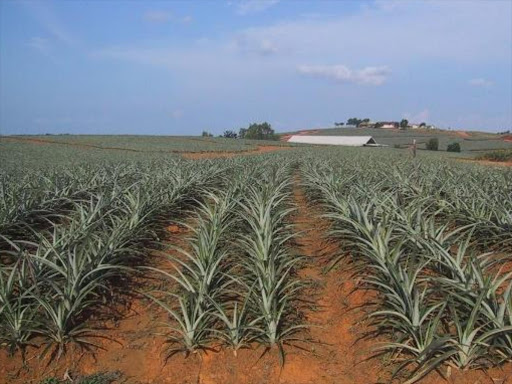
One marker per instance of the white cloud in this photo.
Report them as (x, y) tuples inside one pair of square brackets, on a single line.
[(341, 73), (398, 32), (249, 45), (480, 82), (267, 47), (245, 7), (157, 17)]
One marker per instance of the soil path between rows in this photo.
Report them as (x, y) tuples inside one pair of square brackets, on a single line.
[(340, 354), (488, 162)]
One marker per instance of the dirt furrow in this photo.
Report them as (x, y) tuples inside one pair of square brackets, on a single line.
[(339, 355)]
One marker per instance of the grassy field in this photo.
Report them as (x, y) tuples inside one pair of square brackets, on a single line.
[(40, 151), (469, 141), (143, 143), (265, 263)]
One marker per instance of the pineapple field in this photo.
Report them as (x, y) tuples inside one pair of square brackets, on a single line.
[(305, 265)]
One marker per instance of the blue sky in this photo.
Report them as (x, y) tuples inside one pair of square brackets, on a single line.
[(181, 67)]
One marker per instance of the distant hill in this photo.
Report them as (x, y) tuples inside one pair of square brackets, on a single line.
[(470, 141)]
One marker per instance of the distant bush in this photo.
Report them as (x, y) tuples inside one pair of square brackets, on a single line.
[(229, 134), (397, 146), (499, 155), (355, 121), (453, 147), (206, 134), (433, 144), (262, 131)]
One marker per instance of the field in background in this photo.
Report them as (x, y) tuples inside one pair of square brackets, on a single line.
[(38, 151), (469, 141), (143, 143), (41, 151)]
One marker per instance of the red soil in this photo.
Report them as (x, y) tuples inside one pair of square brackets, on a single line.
[(463, 134), (489, 162), (338, 354), (299, 133)]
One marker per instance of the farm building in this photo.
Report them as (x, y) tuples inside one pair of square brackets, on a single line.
[(387, 124), (366, 124), (349, 141)]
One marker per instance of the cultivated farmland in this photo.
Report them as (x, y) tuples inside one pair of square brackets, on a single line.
[(310, 265), (470, 142)]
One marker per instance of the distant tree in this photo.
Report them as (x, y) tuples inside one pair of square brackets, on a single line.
[(230, 134), (404, 123), (353, 121), (453, 147), (258, 131), (433, 144), (339, 124), (206, 134), (423, 124)]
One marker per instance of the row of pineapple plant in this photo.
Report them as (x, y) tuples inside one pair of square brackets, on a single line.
[(51, 284), (236, 278), (418, 239)]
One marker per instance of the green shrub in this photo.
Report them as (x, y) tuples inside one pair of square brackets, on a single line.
[(257, 131), (498, 155), (433, 144), (453, 147)]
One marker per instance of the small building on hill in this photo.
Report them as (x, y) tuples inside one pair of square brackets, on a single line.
[(387, 124), (366, 124), (348, 141)]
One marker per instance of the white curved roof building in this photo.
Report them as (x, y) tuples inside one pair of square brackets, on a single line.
[(349, 141)]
